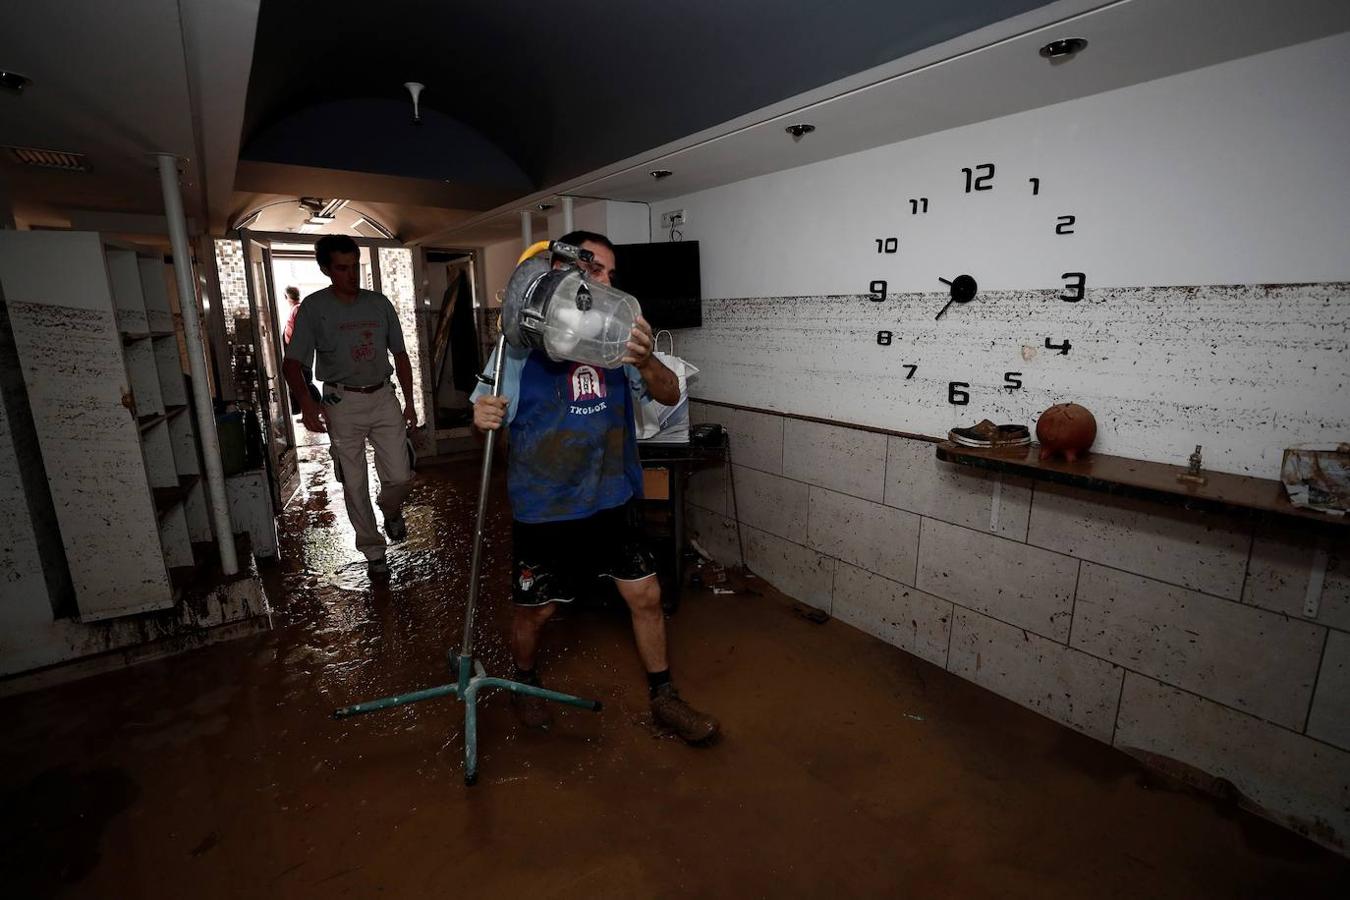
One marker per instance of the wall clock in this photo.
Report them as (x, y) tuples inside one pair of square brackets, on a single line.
[(963, 287)]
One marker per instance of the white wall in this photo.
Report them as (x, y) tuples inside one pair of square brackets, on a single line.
[(498, 261), (620, 221), (1237, 174)]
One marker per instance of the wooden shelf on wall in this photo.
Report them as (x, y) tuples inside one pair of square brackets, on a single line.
[(1224, 493), (166, 498)]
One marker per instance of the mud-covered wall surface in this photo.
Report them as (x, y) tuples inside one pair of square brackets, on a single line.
[(1176, 635), (1244, 370)]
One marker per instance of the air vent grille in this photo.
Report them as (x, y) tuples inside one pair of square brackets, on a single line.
[(49, 159)]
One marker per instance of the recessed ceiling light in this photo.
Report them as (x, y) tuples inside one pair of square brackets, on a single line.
[(1065, 48), (799, 129), (320, 220), (658, 174), (13, 81)]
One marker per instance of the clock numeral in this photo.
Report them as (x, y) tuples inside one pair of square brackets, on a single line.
[(914, 209), (878, 289), (912, 370), (890, 244), (980, 182), (1063, 348), (884, 338), (1065, 225), (1073, 286), (956, 396), (1035, 186), (1012, 380)]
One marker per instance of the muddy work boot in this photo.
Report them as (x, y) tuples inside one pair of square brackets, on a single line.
[(690, 724), (532, 711)]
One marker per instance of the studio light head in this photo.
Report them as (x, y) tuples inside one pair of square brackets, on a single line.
[(565, 314)]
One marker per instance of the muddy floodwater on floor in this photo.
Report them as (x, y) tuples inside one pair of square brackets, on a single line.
[(847, 768)]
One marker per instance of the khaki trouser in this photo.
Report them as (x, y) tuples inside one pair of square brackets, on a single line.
[(378, 418)]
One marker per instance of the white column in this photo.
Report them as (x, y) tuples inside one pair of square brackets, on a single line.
[(567, 215), (192, 332), (526, 229)]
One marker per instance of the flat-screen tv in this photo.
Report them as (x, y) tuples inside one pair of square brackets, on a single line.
[(664, 278)]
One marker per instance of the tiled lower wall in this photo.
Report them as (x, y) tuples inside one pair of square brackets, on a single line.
[(1177, 636)]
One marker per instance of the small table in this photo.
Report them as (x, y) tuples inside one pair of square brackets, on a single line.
[(679, 460)]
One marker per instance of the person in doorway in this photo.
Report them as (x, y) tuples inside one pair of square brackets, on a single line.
[(353, 332), (293, 298), (575, 484)]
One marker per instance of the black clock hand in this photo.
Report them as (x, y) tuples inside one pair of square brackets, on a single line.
[(963, 291)]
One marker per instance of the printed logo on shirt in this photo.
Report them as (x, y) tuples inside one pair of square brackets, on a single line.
[(526, 579), (586, 383), (363, 346)]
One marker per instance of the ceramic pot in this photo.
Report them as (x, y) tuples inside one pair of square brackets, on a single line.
[(1066, 429)]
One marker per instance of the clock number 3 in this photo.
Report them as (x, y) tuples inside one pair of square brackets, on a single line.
[(979, 182), (1074, 282)]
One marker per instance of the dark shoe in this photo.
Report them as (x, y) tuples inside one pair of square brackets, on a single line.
[(987, 434), (396, 529), (532, 711), (378, 569), (690, 724)]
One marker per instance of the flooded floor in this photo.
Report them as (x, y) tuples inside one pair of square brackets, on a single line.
[(847, 769)]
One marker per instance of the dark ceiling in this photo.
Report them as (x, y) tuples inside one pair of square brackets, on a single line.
[(518, 100)]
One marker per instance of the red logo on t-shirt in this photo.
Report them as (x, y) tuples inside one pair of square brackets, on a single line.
[(587, 384)]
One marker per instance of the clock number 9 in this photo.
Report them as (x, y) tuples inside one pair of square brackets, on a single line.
[(878, 289), (955, 395), (890, 245), (1074, 282), (980, 183)]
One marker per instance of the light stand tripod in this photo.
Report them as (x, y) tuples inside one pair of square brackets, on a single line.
[(471, 676)]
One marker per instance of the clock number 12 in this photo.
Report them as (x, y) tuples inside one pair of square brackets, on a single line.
[(979, 182)]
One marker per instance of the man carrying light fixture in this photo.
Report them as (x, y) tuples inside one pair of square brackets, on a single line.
[(574, 482)]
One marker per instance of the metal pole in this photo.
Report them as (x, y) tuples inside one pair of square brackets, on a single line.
[(192, 332), (467, 648), (567, 215), (526, 229)]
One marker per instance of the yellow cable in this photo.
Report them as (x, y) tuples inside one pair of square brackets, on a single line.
[(534, 250)]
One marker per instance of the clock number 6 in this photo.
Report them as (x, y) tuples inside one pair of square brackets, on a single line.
[(1074, 282), (956, 396), (878, 289)]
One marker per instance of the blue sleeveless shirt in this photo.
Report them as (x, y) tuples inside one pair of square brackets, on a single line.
[(573, 446)]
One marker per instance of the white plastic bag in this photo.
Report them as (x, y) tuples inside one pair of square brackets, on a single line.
[(658, 423)]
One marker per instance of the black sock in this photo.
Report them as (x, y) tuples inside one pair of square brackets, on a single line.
[(527, 676), (657, 680)]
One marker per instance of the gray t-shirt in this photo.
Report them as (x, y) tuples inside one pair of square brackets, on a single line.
[(352, 341)]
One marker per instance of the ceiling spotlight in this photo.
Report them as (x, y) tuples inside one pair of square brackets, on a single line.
[(13, 81), (545, 206), (798, 130), (658, 174), (415, 88), (1065, 48)]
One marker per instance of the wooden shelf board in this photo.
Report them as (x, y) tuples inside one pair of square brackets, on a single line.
[(166, 498), (1224, 493)]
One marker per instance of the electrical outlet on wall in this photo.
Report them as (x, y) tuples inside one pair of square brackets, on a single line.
[(675, 218)]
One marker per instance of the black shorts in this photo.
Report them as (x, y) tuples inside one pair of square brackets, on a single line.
[(554, 561)]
